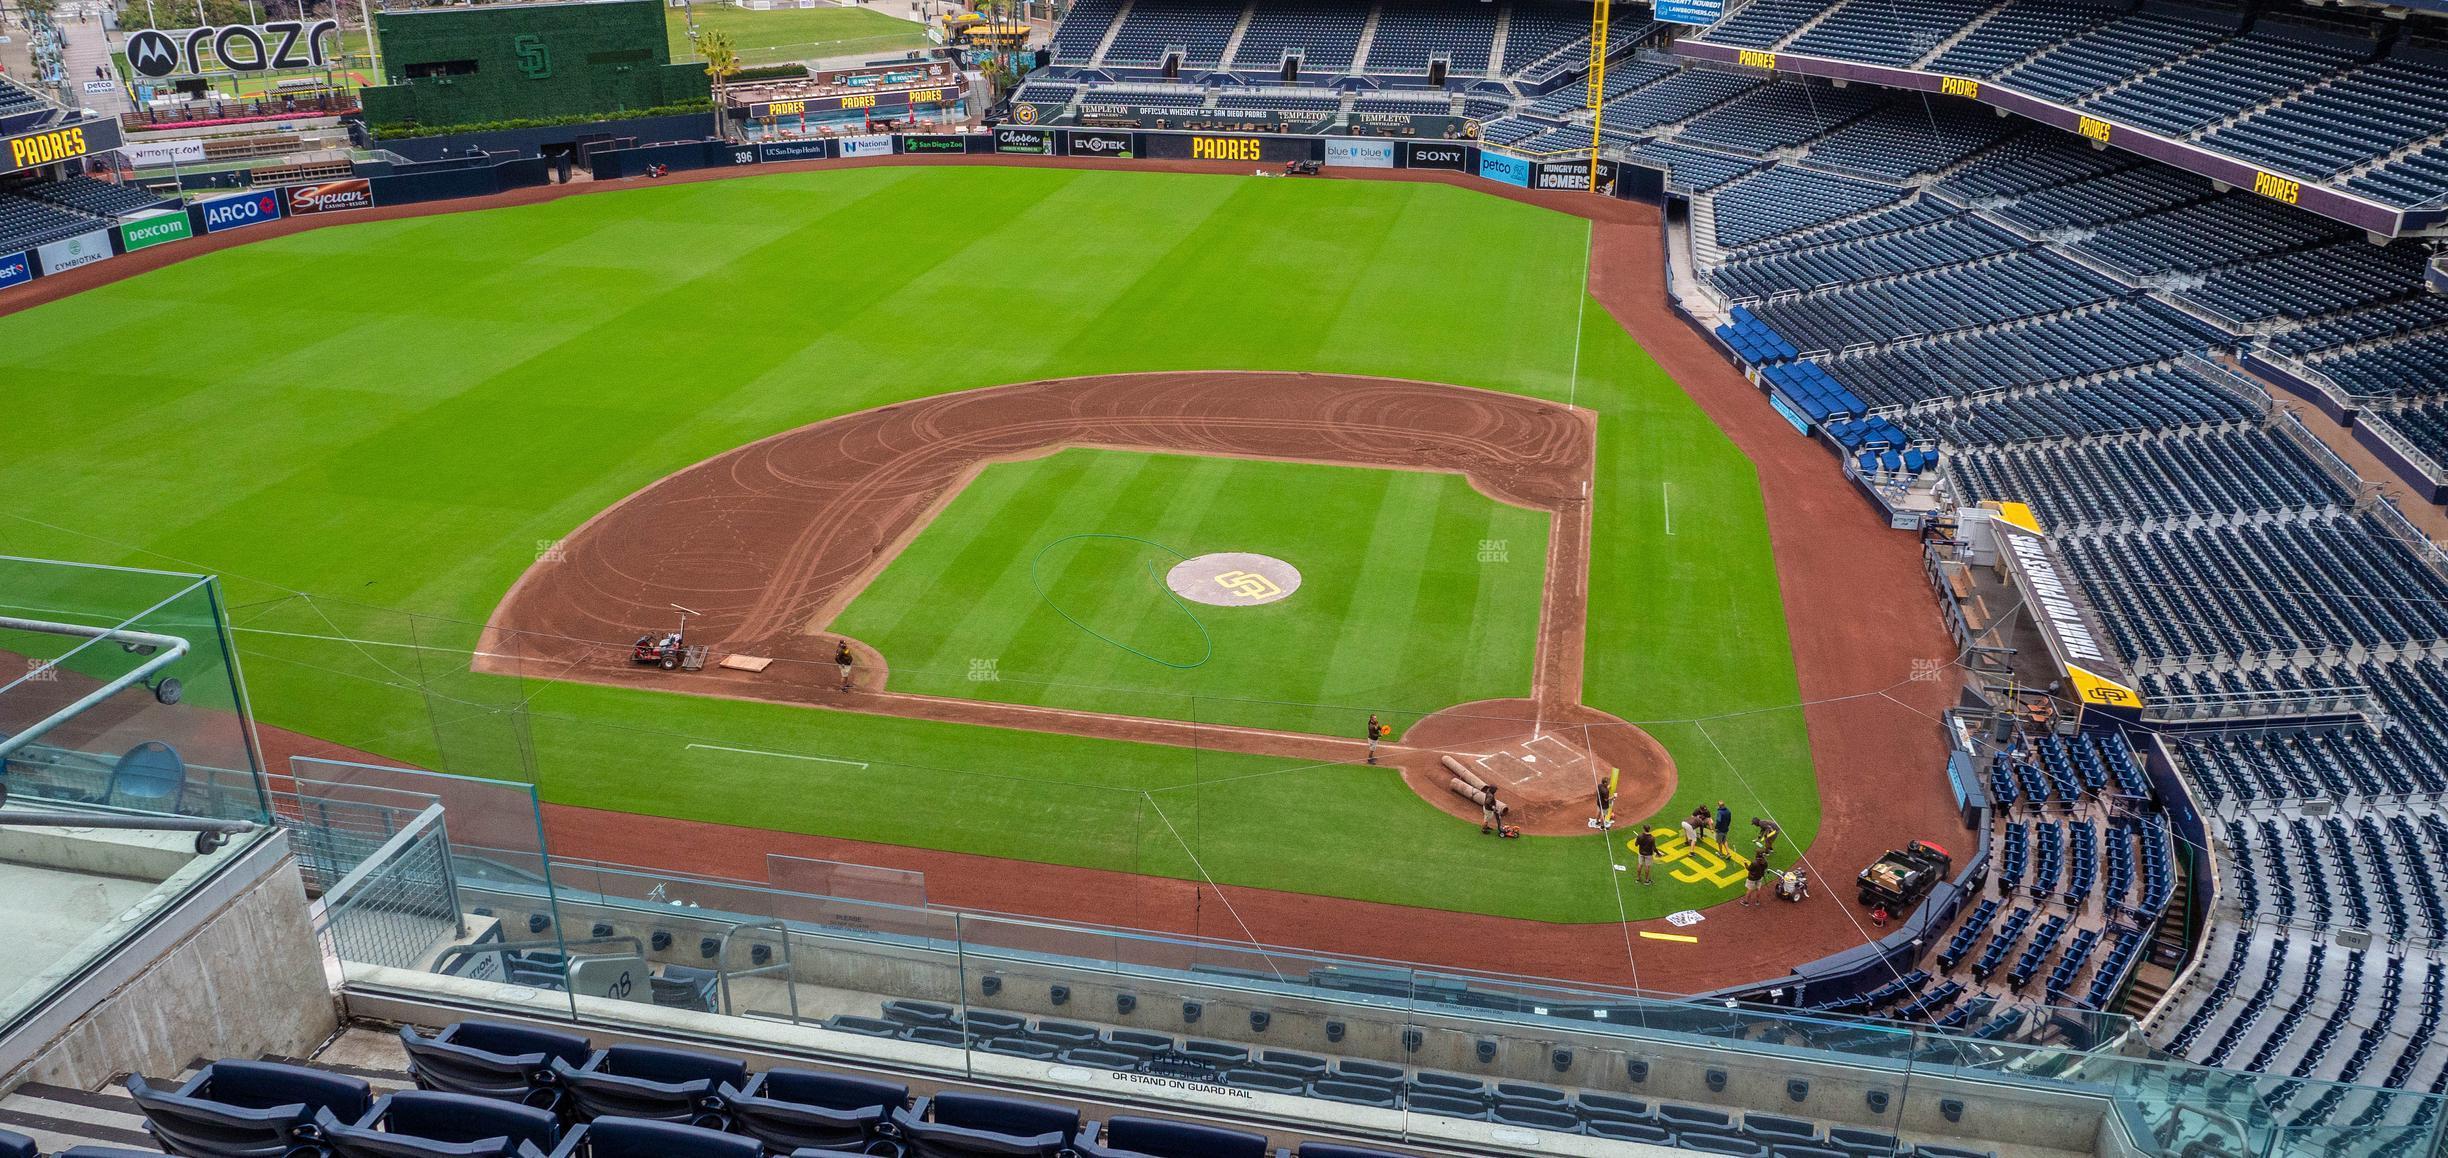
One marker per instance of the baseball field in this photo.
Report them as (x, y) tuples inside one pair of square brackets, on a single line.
[(376, 432)]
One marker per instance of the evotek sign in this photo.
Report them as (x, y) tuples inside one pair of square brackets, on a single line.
[(1116, 145), (330, 196), (240, 211), (279, 45)]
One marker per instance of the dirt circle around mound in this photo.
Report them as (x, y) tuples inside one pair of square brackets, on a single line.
[(1546, 761), (1233, 579)]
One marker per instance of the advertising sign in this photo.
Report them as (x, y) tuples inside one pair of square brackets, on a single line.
[(148, 154), (1504, 167), (871, 145), (1035, 142), (329, 196), (83, 249), (1436, 155), (49, 145), (1078, 143), (1573, 175), (808, 150), (1691, 11), (1227, 149), (280, 45), (1360, 152), (99, 86), (16, 269), (934, 143), (153, 229), (240, 211)]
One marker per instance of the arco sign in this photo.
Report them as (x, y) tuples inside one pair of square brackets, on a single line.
[(282, 44)]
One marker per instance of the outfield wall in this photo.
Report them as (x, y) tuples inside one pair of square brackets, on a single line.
[(611, 157)]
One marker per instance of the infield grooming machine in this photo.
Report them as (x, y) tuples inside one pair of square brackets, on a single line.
[(1898, 880)]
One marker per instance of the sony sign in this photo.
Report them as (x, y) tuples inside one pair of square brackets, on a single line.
[(280, 45)]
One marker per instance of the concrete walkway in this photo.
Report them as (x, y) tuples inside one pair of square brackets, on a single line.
[(88, 41)]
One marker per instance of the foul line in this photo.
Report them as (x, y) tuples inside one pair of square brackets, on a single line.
[(1589, 250), (784, 755), (1666, 499)]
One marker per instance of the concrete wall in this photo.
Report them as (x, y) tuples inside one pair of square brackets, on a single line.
[(233, 970)]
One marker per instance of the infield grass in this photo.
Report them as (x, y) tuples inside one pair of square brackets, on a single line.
[(1043, 582), (790, 34), (371, 463)]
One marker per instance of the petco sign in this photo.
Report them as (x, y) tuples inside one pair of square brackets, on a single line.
[(330, 196), (240, 211), (279, 45), (16, 269)]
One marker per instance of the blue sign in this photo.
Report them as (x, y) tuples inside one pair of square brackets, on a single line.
[(240, 211), (16, 269), (806, 149), (1691, 11), (1503, 167)]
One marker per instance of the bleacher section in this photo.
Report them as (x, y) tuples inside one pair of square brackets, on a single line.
[(2050, 320), (2317, 93)]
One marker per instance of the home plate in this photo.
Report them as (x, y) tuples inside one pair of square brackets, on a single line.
[(747, 663)]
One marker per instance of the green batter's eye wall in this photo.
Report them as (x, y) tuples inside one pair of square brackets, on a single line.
[(459, 66)]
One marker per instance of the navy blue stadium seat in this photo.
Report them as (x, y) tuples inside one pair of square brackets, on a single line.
[(959, 1125), (492, 1060), (640, 1081), (1135, 1137), (430, 1124), (246, 1109), (788, 1109), (15, 1145), (616, 1137)]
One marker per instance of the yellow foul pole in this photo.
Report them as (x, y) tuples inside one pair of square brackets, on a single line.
[(1597, 82)]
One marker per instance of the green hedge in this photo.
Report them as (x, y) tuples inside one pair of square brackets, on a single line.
[(404, 131)]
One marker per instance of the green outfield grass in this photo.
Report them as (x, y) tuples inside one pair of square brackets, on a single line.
[(372, 471), (1395, 609), (789, 34)]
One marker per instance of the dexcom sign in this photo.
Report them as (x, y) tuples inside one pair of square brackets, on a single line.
[(240, 211)]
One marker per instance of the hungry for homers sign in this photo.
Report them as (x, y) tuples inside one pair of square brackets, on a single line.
[(280, 45)]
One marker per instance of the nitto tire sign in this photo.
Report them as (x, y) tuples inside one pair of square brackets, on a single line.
[(816, 150), (240, 211), (329, 197), (1417, 155), (1114, 145), (1033, 142), (279, 46), (83, 249), (16, 269)]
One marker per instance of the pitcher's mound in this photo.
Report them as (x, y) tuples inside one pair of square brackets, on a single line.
[(1233, 579), (1546, 765)]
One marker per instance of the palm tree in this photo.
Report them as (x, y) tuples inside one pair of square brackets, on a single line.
[(722, 63)]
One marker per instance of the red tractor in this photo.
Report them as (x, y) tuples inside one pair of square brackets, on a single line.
[(663, 651)]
